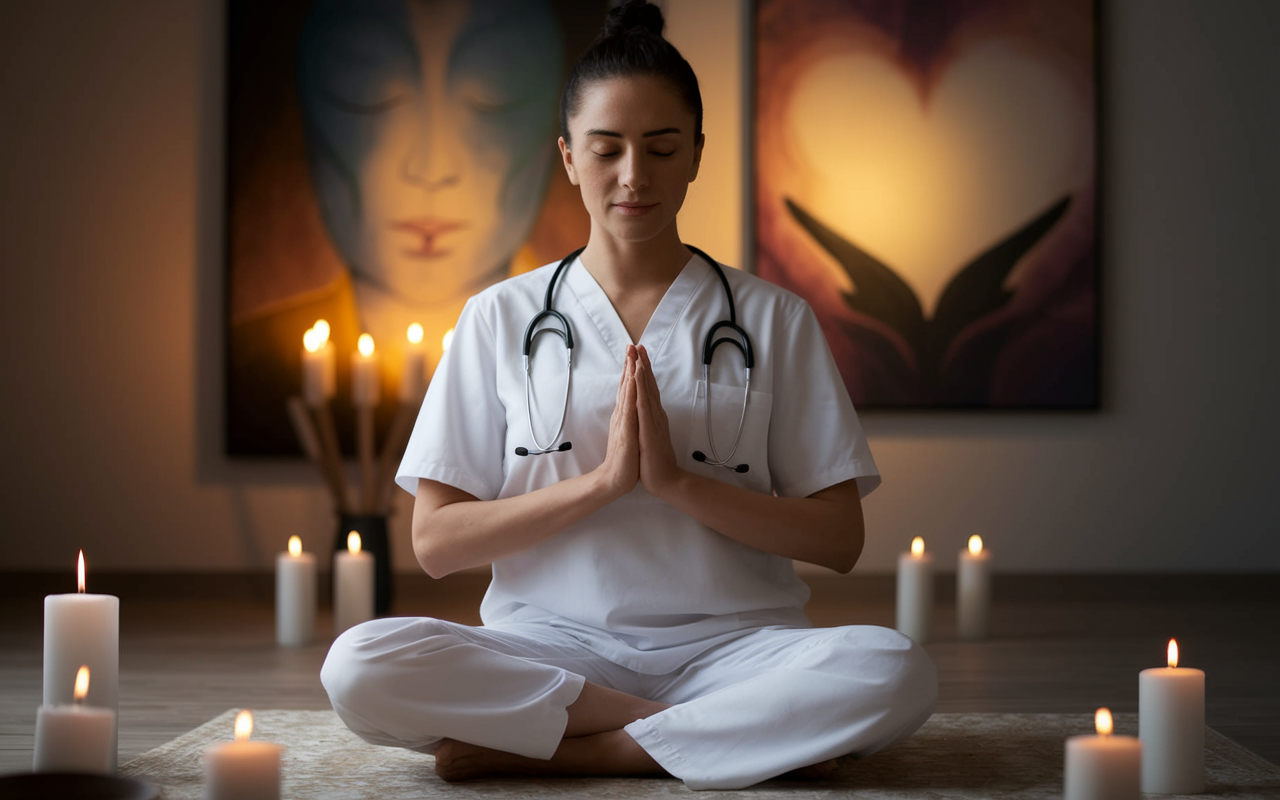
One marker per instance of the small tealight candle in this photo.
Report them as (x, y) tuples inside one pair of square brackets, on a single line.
[(295, 595), (243, 769), (83, 629), (319, 369), (365, 381), (413, 382), (973, 591), (352, 585), (1103, 767), (915, 591), (75, 738), (1171, 727)]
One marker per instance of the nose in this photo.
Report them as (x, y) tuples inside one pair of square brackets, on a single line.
[(633, 175), (434, 162)]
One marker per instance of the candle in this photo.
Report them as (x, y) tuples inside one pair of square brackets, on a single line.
[(352, 586), (243, 769), (1103, 767), (83, 629), (319, 368), (75, 738), (295, 595), (413, 378), (973, 591), (365, 386), (1171, 727), (915, 591)]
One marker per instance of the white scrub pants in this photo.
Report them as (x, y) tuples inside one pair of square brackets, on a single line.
[(771, 701)]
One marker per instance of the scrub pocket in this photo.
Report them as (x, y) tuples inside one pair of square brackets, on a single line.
[(753, 447)]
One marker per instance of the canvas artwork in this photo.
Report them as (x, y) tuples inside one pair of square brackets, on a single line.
[(386, 160), (926, 177)]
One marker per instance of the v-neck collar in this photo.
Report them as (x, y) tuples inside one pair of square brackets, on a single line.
[(664, 319)]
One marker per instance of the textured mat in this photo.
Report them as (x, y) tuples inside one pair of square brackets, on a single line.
[(953, 756)]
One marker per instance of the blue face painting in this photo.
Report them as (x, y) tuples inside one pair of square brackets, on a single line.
[(430, 132)]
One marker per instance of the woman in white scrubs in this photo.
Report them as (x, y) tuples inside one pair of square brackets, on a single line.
[(644, 616)]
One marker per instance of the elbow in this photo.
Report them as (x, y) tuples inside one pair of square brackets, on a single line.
[(426, 549), (850, 550)]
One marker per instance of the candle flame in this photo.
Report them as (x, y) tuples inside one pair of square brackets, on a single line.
[(295, 546), (415, 334), (975, 545), (1173, 652), (917, 546), (80, 573), (365, 344), (1103, 722), (322, 333), (244, 725), (311, 340), (353, 542), (82, 684), (448, 339)]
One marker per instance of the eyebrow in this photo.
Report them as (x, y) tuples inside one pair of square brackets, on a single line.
[(616, 135)]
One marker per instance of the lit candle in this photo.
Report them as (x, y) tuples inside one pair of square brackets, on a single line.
[(75, 738), (413, 379), (365, 387), (319, 369), (352, 585), (83, 629), (295, 595), (915, 591), (1103, 767), (243, 769), (1171, 727), (973, 591)]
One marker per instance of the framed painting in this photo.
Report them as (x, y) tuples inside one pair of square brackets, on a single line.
[(926, 177), (386, 160)]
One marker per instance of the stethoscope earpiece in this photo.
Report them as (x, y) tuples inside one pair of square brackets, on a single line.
[(524, 451), (701, 458)]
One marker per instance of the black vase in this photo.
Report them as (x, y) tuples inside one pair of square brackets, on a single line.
[(373, 539)]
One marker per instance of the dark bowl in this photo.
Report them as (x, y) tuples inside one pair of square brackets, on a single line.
[(74, 786)]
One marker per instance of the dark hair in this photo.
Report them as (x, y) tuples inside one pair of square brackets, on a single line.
[(631, 44)]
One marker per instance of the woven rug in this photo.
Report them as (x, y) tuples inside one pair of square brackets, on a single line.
[(967, 756)]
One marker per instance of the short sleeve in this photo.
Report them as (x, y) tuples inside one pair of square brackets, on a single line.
[(815, 438), (459, 434)]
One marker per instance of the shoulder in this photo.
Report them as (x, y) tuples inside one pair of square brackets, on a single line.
[(527, 286), (755, 295)]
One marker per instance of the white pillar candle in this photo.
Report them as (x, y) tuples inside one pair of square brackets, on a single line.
[(352, 586), (1171, 727), (83, 629), (243, 769), (413, 383), (1103, 767), (319, 368), (365, 386), (973, 591), (915, 591), (75, 738), (295, 595)]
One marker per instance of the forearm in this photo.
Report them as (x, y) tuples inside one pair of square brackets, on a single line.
[(470, 533), (825, 528)]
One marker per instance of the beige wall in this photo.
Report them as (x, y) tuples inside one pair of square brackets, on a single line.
[(110, 298)]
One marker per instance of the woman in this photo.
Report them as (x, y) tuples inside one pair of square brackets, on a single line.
[(644, 616)]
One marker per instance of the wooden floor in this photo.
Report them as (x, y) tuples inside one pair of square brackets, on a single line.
[(1058, 645)]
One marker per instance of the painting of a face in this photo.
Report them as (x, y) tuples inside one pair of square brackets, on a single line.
[(430, 133)]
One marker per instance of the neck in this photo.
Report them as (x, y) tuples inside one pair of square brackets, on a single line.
[(629, 266)]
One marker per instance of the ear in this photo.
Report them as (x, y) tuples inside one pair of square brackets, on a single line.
[(697, 156), (566, 156)]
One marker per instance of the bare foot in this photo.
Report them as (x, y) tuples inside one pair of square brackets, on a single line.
[(822, 771), (610, 753), (459, 761)]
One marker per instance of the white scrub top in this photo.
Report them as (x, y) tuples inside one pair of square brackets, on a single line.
[(640, 582)]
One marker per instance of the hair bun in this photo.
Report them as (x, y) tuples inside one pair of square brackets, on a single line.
[(634, 16)]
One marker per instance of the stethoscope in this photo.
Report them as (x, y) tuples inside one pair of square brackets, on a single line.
[(709, 345)]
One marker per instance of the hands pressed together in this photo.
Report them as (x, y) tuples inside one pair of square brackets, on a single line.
[(639, 448)]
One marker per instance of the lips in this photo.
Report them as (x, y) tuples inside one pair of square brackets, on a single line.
[(427, 233), (634, 209)]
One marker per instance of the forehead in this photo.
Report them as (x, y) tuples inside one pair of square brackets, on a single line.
[(631, 105)]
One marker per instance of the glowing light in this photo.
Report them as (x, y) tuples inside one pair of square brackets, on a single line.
[(80, 573), (1103, 722), (322, 333), (975, 545), (244, 725), (917, 547), (1173, 653), (295, 546), (82, 684), (311, 340), (415, 334), (353, 542), (365, 345), (448, 339)]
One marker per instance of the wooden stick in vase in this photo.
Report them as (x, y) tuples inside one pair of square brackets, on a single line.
[(305, 429), (392, 451), (365, 449), (332, 453)]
